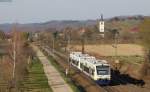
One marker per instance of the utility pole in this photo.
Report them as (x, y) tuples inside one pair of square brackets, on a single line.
[(53, 45), (83, 40), (69, 49), (116, 45), (29, 58), (83, 43), (116, 49), (54, 37), (65, 41), (14, 53), (14, 56)]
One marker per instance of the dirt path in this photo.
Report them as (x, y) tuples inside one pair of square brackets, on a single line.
[(55, 80)]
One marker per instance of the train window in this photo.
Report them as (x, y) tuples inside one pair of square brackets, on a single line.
[(75, 62), (81, 65), (102, 70), (86, 69)]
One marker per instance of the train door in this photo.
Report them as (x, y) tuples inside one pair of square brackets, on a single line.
[(91, 72), (81, 66)]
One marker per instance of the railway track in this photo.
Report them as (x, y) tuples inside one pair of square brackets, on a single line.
[(106, 88), (81, 79), (119, 84)]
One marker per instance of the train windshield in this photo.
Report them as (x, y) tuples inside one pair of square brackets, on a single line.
[(102, 70)]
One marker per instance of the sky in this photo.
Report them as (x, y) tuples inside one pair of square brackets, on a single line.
[(35, 11)]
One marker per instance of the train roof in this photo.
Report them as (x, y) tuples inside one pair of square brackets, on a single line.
[(79, 54), (89, 59), (96, 61)]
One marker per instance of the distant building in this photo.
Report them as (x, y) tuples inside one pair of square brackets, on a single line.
[(101, 26)]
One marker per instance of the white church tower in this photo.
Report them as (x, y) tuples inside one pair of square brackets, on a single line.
[(101, 26)]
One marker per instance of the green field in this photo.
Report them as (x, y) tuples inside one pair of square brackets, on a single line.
[(36, 80)]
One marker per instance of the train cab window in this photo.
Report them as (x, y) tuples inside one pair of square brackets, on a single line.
[(102, 70)]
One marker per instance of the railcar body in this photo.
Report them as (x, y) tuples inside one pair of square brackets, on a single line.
[(98, 70)]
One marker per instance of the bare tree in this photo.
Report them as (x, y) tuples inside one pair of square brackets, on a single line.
[(145, 39)]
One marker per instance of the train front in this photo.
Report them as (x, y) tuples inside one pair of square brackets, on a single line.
[(103, 74)]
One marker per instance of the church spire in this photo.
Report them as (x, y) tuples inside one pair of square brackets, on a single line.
[(102, 17), (102, 26)]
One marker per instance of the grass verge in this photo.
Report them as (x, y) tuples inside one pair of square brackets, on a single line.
[(35, 81), (61, 70)]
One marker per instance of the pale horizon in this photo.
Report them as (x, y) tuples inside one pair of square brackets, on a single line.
[(37, 11)]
